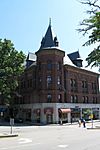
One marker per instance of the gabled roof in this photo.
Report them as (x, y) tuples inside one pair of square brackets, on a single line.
[(49, 40)]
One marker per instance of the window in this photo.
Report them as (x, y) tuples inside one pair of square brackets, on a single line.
[(49, 65), (84, 86), (94, 100), (94, 88), (74, 99), (49, 98), (85, 99), (49, 81), (59, 80), (59, 98), (59, 66), (73, 84)]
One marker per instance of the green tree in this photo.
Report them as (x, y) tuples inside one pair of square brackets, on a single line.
[(91, 26), (11, 66)]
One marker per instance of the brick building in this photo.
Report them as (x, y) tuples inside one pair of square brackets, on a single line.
[(55, 86)]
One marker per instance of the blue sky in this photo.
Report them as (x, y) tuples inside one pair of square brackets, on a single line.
[(25, 22)]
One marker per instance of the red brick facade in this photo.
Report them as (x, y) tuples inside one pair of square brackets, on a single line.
[(52, 81)]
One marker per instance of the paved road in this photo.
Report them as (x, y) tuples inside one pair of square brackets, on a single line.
[(53, 137)]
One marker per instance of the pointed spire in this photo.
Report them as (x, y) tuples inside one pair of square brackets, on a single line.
[(49, 40), (49, 21)]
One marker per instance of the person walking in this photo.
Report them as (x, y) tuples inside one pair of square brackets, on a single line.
[(84, 123), (79, 122)]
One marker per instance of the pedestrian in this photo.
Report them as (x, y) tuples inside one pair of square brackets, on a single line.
[(84, 123), (61, 121), (79, 122)]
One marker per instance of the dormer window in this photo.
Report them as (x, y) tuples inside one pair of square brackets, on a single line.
[(56, 41)]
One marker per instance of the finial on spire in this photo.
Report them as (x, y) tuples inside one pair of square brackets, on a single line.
[(49, 21)]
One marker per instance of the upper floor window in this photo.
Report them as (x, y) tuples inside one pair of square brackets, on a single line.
[(49, 98), (49, 65), (94, 100), (85, 99), (49, 79), (73, 83), (59, 98), (49, 82), (74, 99), (84, 86), (59, 80), (94, 88), (59, 66)]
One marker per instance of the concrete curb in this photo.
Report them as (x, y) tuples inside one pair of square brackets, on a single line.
[(94, 128), (8, 135)]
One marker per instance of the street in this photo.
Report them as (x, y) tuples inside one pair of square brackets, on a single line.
[(51, 137)]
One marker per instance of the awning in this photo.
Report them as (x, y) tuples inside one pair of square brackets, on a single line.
[(65, 110)]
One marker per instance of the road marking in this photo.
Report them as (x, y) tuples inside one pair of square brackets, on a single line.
[(62, 146), (24, 140), (19, 146)]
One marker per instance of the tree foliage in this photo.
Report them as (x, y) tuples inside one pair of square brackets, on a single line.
[(91, 26), (11, 66)]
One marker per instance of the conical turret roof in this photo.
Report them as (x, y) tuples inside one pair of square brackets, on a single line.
[(49, 40)]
